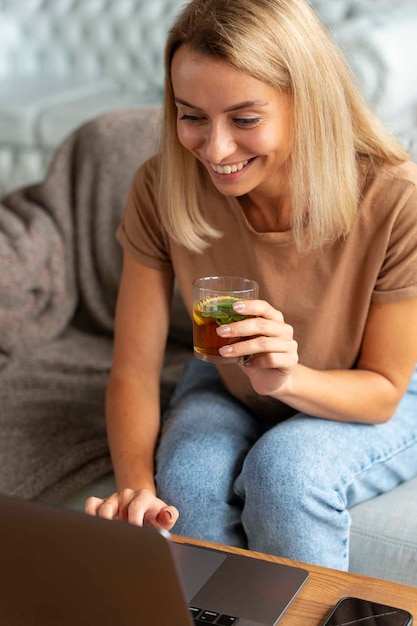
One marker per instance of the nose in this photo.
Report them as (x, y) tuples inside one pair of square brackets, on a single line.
[(219, 143)]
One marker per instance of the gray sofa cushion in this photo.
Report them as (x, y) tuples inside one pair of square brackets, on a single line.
[(384, 535)]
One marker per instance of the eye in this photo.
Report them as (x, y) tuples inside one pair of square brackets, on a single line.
[(190, 119), (247, 122)]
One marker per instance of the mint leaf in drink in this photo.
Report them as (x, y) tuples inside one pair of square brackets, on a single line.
[(222, 311)]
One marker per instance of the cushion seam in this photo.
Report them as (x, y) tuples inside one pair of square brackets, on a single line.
[(386, 540)]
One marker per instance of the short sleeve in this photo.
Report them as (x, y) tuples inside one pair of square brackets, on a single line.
[(397, 279), (140, 232)]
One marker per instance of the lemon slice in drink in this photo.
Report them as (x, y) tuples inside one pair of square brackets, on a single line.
[(198, 320)]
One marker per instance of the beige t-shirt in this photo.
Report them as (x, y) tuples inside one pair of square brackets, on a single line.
[(324, 295)]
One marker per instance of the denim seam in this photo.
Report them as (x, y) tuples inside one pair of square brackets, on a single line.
[(386, 458)]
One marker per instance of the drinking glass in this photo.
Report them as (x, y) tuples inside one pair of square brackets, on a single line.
[(213, 298)]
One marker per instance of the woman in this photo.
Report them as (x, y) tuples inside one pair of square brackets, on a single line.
[(271, 167)]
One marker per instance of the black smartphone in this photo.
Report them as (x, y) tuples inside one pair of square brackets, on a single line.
[(359, 612)]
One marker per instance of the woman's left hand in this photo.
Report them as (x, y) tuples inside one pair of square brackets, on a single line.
[(269, 341)]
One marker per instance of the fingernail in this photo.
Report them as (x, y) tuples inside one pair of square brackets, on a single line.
[(226, 350), (223, 330), (239, 306)]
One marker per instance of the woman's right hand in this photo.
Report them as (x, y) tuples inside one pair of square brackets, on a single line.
[(140, 507)]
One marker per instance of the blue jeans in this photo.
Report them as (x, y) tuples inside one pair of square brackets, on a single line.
[(284, 489)]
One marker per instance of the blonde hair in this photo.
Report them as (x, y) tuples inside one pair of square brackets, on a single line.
[(284, 44)]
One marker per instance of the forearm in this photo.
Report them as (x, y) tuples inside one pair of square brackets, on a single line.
[(342, 395), (132, 414), (132, 437), (368, 394)]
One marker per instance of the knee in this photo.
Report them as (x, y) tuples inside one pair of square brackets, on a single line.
[(286, 464), (180, 458), (195, 460)]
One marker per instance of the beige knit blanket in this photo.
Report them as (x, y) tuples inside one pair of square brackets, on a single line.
[(59, 270)]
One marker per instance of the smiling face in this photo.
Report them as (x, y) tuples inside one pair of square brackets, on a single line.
[(239, 127)]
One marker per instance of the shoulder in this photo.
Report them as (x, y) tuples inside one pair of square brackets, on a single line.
[(141, 201), (402, 176), (147, 172), (390, 189)]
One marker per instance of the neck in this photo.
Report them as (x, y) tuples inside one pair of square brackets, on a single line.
[(264, 216)]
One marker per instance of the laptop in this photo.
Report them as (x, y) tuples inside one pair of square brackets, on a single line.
[(65, 568)]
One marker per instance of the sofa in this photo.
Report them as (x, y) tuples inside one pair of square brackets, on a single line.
[(59, 271), (63, 62), (60, 265)]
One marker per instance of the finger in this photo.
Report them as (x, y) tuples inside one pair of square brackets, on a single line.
[(109, 508), (142, 506), (161, 515), (256, 327), (125, 498), (258, 308), (92, 505), (167, 517), (275, 347)]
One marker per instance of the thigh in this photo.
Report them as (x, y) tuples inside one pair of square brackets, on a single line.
[(356, 461), (301, 477), (205, 436)]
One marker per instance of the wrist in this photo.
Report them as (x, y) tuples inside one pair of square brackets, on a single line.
[(135, 481), (286, 391)]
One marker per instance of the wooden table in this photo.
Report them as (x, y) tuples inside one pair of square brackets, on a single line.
[(325, 587)]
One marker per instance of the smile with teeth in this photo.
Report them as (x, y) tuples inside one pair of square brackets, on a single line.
[(228, 169)]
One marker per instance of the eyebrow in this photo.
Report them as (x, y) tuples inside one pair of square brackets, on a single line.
[(235, 107)]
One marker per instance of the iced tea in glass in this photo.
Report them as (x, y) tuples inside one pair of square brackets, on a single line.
[(213, 306)]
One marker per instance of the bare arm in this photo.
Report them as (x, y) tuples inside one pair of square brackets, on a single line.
[(132, 399), (368, 394)]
